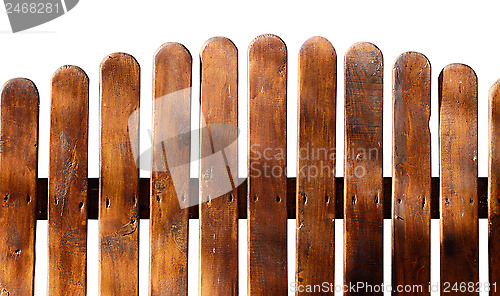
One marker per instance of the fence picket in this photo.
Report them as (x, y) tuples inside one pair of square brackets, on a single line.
[(458, 171), (267, 211), (316, 164), (494, 189), (363, 181), (18, 176), (67, 210), (219, 168), (411, 191), (170, 194), (119, 176)]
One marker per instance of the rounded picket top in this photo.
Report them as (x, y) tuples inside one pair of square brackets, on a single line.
[(117, 60), (70, 70), (20, 88), (459, 76), (219, 43), (413, 59), (458, 69), (319, 45), (269, 42), (494, 91), (172, 49), (366, 50)]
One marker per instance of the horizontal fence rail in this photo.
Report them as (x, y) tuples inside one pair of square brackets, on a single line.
[(363, 198), (144, 200)]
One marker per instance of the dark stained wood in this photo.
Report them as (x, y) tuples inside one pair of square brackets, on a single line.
[(494, 188), (144, 195), (170, 194), (411, 173), (458, 171), (267, 183), (363, 181), (18, 176), (316, 164), (119, 176), (219, 168), (68, 182)]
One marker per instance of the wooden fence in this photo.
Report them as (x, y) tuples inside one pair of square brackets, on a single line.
[(363, 198)]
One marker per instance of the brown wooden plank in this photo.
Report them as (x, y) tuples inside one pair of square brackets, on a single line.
[(267, 215), (494, 189), (119, 176), (219, 168), (316, 165), (144, 196), (170, 171), (411, 173), (67, 214), (363, 181), (458, 171), (18, 175)]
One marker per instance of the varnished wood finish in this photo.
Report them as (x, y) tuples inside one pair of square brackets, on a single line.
[(494, 188), (316, 164), (411, 173), (170, 171), (18, 176), (458, 171), (144, 196), (267, 214), (68, 182), (219, 168), (119, 176), (363, 181)]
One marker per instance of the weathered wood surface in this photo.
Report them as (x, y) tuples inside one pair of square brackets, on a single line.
[(67, 217), (119, 176), (494, 188), (458, 171), (363, 181), (411, 173), (316, 164), (18, 176), (267, 184), (144, 196), (170, 171), (219, 168)]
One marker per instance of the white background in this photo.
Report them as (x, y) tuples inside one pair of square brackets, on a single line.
[(445, 31)]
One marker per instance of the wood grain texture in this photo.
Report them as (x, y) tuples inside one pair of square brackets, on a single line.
[(144, 196), (411, 187), (458, 171), (170, 171), (219, 168), (18, 176), (67, 217), (363, 181), (494, 188), (267, 214), (119, 176), (316, 164)]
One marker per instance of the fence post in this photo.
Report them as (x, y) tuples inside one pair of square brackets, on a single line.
[(219, 168), (458, 183), (316, 164), (67, 205), (119, 176), (18, 176), (363, 181), (267, 214), (170, 196), (411, 174)]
